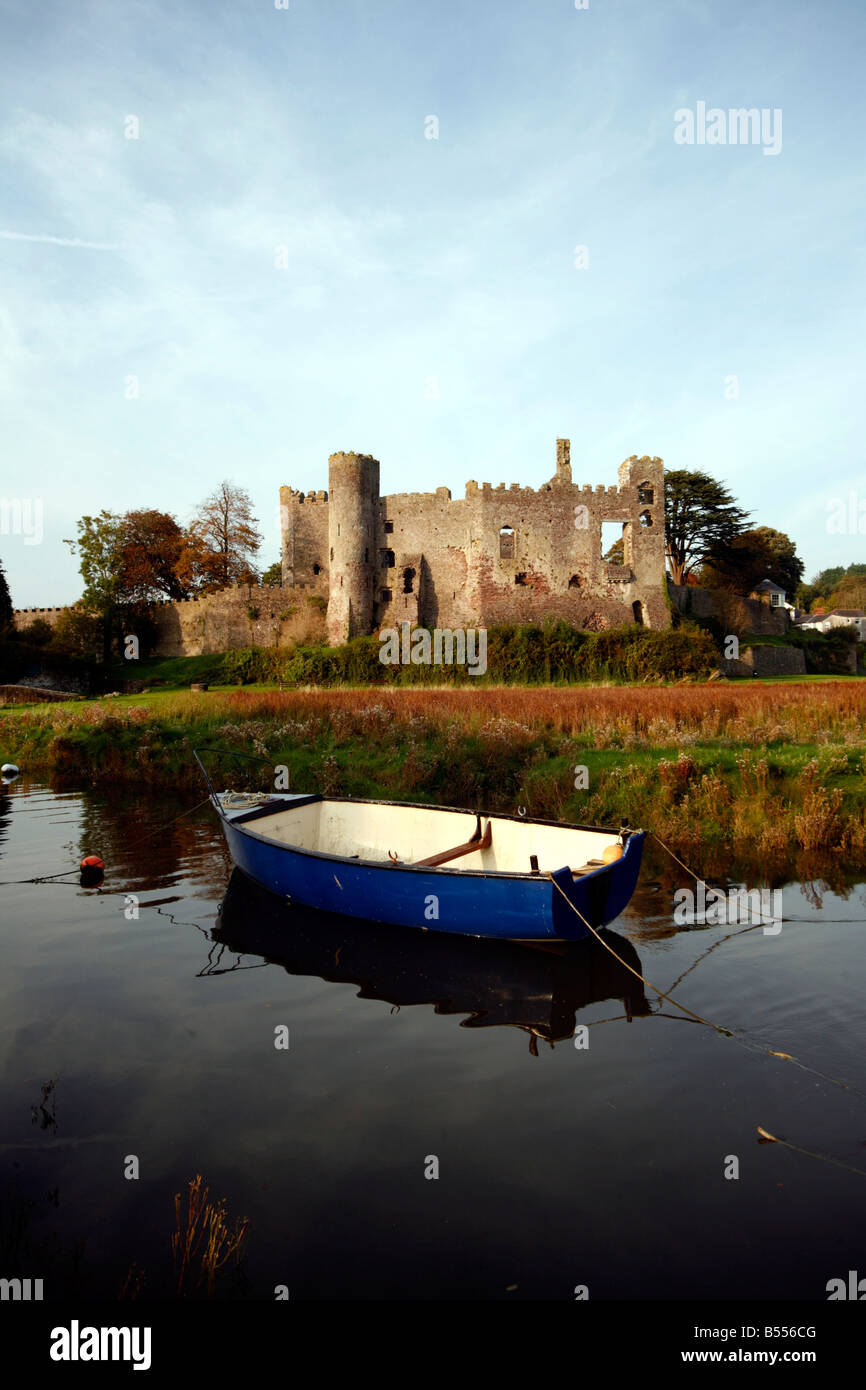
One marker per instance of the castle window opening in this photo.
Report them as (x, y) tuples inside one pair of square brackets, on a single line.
[(317, 569), (574, 582), (520, 579), (332, 552), (612, 542), (366, 555), (506, 543), (389, 527), (408, 577), (385, 595), (338, 528), (645, 494), (637, 609), (645, 519), (386, 559)]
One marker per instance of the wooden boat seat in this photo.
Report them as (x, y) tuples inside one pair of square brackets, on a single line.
[(477, 841), (588, 868)]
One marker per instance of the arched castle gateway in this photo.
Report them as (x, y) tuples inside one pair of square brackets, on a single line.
[(497, 555)]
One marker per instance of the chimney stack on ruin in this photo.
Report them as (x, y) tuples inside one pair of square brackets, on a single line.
[(563, 460)]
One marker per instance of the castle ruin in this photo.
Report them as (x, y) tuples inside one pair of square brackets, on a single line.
[(497, 555)]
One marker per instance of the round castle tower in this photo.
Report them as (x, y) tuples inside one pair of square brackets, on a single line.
[(353, 504)]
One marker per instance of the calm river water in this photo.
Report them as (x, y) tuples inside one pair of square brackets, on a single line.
[(152, 1038)]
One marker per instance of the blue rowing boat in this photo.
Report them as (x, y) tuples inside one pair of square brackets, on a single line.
[(432, 867)]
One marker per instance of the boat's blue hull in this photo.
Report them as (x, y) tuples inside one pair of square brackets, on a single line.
[(521, 907)]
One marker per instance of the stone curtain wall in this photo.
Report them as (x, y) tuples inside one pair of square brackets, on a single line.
[(440, 561), (245, 615), (23, 617), (223, 620)]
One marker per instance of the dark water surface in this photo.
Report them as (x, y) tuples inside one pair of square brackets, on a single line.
[(558, 1166)]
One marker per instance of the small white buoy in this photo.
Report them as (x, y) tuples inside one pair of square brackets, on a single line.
[(9, 770)]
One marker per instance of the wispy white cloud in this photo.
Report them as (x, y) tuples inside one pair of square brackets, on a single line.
[(61, 241)]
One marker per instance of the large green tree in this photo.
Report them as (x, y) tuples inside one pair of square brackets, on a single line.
[(752, 556), (119, 581), (700, 514), (99, 547)]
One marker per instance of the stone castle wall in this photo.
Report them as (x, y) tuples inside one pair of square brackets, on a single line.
[(23, 617), (497, 555), (243, 615)]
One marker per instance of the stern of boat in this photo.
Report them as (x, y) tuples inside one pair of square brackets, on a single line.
[(597, 898)]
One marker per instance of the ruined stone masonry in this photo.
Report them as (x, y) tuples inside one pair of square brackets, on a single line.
[(243, 615), (497, 555)]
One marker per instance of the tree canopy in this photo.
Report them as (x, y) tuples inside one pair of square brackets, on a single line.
[(5, 602), (226, 538), (700, 515), (153, 554), (99, 547), (752, 556), (837, 587), (129, 561)]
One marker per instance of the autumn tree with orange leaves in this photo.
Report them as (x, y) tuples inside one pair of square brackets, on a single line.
[(224, 539)]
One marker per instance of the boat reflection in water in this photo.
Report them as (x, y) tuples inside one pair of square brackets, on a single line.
[(537, 988)]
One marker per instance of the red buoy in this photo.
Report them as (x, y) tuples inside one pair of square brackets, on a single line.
[(92, 871)]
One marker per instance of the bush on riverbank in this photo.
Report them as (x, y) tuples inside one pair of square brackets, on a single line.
[(520, 655)]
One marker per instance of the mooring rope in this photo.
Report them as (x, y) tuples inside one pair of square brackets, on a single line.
[(676, 1003), (679, 861), (810, 1153), (726, 1032)]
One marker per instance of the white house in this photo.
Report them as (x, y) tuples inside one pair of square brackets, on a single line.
[(837, 617)]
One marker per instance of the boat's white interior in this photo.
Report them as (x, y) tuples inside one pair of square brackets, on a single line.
[(411, 833)]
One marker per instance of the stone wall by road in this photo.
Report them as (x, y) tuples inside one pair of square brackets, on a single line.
[(738, 614), (34, 694), (767, 661)]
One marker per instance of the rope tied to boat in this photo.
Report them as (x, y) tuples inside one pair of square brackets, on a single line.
[(726, 1032)]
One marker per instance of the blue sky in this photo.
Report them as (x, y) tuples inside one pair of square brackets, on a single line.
[(411, 258)]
